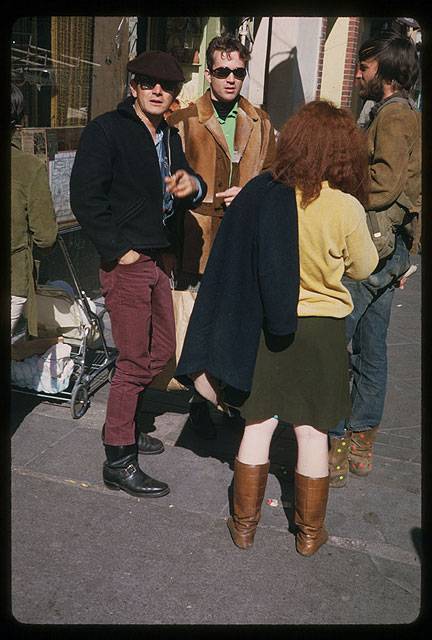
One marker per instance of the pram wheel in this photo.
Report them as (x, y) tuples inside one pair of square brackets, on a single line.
[(79, 401)]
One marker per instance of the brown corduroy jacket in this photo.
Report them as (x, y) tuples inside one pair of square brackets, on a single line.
[(207, 152)]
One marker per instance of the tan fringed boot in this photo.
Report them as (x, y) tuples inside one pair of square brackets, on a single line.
[(361, 450), (249, 486), (311, 496)]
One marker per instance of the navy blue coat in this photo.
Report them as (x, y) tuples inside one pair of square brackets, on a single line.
[(251, 283)]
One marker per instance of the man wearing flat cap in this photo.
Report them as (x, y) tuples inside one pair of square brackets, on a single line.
[(129, 181)]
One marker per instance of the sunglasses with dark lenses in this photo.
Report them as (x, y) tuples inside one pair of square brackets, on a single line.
[(224, 72), (150, 83)]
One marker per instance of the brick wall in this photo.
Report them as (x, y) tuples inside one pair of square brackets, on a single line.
[(321, 57), (350, 61)]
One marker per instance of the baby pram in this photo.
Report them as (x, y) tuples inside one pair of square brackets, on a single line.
[(67, 315)]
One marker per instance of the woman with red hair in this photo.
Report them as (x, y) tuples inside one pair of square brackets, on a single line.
[(301, 378)]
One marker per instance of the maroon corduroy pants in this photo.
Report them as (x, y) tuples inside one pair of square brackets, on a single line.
[(139, 301)]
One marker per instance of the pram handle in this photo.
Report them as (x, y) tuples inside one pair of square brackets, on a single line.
[(92, 316)]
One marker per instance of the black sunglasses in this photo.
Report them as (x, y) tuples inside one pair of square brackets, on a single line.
[(148, 83), (224, 72)]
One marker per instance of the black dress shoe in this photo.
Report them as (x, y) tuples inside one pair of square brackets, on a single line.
[(122, 471), (146, 444), (200, 422), (149, 445)]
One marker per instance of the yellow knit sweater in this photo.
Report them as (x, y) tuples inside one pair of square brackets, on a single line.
[(333, 240)]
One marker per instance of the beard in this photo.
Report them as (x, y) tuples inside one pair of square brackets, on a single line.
[(373, 89)]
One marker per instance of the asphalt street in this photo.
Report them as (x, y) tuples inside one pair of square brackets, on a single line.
[(82, 554)]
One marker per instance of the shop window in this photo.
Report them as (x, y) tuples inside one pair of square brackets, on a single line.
[(52, 64), (178, 35)]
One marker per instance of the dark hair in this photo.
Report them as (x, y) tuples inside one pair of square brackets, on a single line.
[(227, 43), (397, 59), (17, 105), (322, 142)]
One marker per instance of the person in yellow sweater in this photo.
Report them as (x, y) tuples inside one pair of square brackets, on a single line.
[(301, 378)]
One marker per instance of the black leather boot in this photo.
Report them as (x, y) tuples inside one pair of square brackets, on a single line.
[(121, 471), (200, 421)]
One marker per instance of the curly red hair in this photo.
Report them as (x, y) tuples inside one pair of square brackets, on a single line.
[(322, 142)]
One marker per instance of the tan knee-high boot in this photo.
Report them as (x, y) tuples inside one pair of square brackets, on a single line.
[(249, 486), (311, 496)]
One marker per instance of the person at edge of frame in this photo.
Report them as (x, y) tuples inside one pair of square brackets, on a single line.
[(267, 332), (228, 141), (386, 72), (33, 220), (129, 181)]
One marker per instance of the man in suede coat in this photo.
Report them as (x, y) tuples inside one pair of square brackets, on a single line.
[(227, 141)]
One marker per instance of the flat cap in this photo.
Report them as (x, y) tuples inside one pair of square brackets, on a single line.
[(157, 64), (410, 22)]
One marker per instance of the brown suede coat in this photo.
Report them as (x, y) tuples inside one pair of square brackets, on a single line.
[(207, 152)]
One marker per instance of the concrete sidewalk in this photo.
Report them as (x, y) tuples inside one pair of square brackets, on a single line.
[(82, 554)]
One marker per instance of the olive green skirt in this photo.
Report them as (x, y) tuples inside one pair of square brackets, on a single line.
[(306, 382)]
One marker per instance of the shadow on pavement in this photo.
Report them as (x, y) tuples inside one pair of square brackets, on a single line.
[(21, 404), (283, 455), (283, 451), (416, 536)]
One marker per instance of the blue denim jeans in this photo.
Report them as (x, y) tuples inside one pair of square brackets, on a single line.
[(367, 327)]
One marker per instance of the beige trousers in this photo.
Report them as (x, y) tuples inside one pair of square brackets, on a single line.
[(17, 306)]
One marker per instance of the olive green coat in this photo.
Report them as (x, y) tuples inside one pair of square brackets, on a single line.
[(32, 221)]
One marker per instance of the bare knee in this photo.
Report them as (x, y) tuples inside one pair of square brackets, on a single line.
[(307, 432), (265, 427)]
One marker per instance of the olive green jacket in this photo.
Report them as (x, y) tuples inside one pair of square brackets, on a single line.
[(32, 221), (394, 139)]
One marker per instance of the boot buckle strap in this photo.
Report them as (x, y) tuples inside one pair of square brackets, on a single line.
[(128, 471)]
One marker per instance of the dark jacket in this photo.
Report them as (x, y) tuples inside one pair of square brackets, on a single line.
[(251, 282), (116, 186)]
